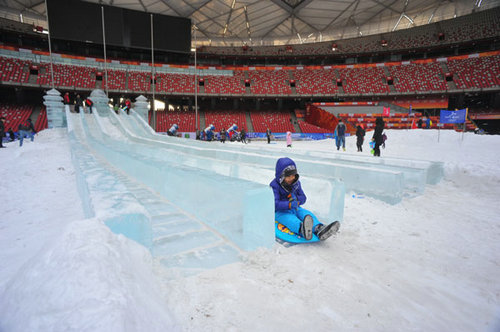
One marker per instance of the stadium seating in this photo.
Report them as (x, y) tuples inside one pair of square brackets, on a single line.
[(484, 24), (274, 82), (41, 121), (176, 83), (14, 70), (14, 115), (479, 25), (68, 76), (225, 84), (278, 122), (306, 127), (116, 80), (225, 119), (418, 77), (363, 80), (185, 120), (139, 81), (315, 81), (481, 72)]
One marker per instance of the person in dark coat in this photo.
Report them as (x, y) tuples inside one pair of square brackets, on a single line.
[(12, 136), (78, 103), (340, 130), (268, 135), (26, 129), (223, 135), (288, 196), (2, 131), (360, 135), (377, 136), (243, 135)]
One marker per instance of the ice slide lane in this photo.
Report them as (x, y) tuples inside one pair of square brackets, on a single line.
[(416, 173), (325, 192), (384, 184), (176, 238)]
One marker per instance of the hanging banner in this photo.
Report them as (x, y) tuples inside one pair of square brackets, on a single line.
[(453, 116), (387, 111)]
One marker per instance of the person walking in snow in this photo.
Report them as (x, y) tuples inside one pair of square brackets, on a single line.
[(360, 137), (377, 136), (223, 135), (268, 135), (288, 139), (288, 198), (2, 131), (243, 135), (340, 130), (78, 104)]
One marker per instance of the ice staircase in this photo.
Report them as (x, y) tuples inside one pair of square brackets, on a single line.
[(176, 238)]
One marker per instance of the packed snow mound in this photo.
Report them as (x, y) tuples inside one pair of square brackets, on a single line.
[(83, 273)]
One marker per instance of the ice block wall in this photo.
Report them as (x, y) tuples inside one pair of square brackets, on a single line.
[(102, 195), (241, 210), (252, 167)]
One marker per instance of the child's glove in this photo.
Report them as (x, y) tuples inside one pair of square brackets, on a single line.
[(292, 201)]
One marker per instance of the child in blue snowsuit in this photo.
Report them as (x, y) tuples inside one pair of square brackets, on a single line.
[(288, 196)]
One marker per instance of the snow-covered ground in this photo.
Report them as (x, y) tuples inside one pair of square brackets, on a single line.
[(430, 263)]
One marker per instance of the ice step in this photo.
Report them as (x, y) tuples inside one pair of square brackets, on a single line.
[(177, 243), (207, 258), (175, 227), (170, 217), (158, 207)]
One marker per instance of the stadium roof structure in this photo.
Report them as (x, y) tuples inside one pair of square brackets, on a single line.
[(278, 22)]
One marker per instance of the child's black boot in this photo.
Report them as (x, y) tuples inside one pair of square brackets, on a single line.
[(324, 232)]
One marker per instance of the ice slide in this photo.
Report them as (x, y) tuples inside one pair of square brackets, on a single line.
[(387, 179), (178, 239), (190, 215)]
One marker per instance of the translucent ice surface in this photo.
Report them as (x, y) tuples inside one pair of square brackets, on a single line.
[(387, 179), (207, 195), (195, 204)]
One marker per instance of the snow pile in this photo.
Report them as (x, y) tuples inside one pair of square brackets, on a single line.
[(87, 279)]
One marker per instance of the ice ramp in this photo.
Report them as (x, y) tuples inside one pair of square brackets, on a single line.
[(325, 192), (387, 184), (352, 169), (193, 189), (180, 240)]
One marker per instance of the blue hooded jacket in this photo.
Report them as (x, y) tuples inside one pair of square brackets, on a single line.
[(281, 190)]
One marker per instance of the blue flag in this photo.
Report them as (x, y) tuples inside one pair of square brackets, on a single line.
[(409, 110), (453, 116)]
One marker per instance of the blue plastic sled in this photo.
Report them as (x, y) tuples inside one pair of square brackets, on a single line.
[(283, 234)]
